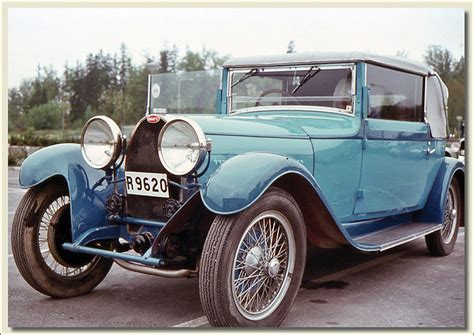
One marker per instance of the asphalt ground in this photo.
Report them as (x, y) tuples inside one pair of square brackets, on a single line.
[(403, 287)]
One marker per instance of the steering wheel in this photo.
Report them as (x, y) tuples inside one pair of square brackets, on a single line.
[(270, 91)]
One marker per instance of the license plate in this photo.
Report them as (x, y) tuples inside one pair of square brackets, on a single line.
[(147, 184)]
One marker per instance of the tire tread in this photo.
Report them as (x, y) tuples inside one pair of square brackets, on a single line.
[(33, 270)]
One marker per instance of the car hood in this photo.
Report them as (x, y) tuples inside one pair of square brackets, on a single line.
[(294, 125)]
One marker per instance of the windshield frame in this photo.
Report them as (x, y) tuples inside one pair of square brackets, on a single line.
[(304, 67)]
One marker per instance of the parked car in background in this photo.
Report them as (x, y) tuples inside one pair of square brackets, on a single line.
[(456, 150), (332, 149), (462, 151)]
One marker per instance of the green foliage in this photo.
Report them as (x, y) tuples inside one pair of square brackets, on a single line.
[(192, 61), (36, 138), (136, 94), (168, 59), (205, 60), (111, 85), (46, 116), (15, 108), (104, 84), (441, 60)]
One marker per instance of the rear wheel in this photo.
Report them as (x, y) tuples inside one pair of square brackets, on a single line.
[(441, 242), (253, 262), (42, 223)]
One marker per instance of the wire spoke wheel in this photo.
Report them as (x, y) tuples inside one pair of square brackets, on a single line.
[(53, 230), (42, 224), (450, 216), (252, 263), (263, 265), (441, 242)]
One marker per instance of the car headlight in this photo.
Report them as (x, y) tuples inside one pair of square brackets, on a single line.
[(182, 146), (455, 146), (101, 142)]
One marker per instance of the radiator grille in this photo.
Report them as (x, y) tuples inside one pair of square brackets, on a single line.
[(142, 156)]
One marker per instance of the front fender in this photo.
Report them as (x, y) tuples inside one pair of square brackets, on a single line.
[(87, 200), (242, 179), (433, 212)]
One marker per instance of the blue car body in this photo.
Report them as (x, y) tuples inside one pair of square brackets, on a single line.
[(360, 181)]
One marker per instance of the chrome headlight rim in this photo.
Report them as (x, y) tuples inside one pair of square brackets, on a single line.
[(117, 141), (455, 146), (204, 145)]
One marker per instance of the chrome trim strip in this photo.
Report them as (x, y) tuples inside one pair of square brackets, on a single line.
[(409, 238), (425, 111), (292, 108), (283, 67), (117, 138), (204, 144)]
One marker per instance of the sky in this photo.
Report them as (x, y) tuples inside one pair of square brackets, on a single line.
[(54, 36)]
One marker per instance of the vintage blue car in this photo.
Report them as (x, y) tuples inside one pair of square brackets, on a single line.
[(332, 149)]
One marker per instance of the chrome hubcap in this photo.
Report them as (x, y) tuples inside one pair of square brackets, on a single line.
[(263, 264), (273, 267), (253, 259)]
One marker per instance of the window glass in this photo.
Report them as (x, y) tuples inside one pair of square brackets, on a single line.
[(186, 92), (395, 95), (304, 86)]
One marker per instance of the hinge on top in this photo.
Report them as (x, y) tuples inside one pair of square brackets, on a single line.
[(360, 193)]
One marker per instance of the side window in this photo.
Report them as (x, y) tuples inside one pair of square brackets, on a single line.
[(395, 95)]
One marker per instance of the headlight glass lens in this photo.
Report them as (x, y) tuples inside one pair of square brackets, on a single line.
[(181, 147), (455, 146), (100, 142)]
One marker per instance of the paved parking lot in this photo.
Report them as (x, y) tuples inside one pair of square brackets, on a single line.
[(403, 287)]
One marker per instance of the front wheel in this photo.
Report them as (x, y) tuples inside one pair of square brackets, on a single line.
[(42, 223), (252, 263), (441, 242)]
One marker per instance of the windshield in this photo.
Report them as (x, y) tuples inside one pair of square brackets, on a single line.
[(186, 92), (317, 87)]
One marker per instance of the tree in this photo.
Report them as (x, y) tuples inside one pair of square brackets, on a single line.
[(164, 63), (45, 87), (46, 116), (125, 63), (137, 93), (192, 61), (441, 60), (207, 59), (15, 107), (73, 86)]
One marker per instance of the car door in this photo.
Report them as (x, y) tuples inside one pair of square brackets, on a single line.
[(397, 153)]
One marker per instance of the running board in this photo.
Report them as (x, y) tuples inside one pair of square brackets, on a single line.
[(394, 236)]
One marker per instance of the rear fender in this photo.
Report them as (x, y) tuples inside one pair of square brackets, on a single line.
[(87, 200), (433, 212)]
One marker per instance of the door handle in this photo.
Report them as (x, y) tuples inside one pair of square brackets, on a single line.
[(430, 150)]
